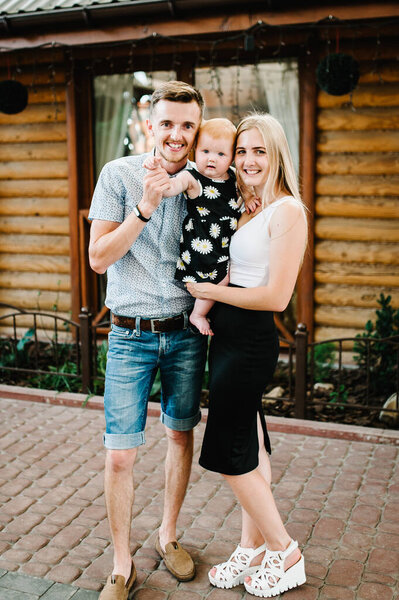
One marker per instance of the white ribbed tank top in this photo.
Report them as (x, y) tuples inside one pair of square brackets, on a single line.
[(249, 248)]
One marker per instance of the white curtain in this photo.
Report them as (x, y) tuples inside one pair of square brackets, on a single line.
[(113, 103), (280, 84), (234, 91)]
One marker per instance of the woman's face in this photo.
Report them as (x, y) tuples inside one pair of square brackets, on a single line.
[(251, 159)]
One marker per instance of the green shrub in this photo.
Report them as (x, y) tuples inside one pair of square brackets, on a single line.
[(324, 355)]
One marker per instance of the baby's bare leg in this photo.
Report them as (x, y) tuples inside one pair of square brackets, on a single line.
[(201, 309)]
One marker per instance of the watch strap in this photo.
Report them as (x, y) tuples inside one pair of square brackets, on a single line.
[(138, 214)]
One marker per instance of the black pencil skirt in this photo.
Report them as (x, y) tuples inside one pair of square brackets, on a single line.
[(242, 357)]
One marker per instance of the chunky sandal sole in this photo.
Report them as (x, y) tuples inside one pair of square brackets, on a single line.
[(293, 577)]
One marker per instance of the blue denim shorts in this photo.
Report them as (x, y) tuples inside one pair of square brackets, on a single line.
[(134, 357)]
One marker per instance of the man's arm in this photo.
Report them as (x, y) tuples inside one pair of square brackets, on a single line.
[(109, 241)]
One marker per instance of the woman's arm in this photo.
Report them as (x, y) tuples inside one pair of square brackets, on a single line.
[(288, 239)]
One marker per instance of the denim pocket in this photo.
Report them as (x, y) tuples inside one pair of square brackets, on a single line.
[(121, 332)]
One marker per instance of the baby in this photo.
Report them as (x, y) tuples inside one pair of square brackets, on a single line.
[(212, 214)]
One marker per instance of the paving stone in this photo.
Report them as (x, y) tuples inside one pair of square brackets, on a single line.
[(85, 595), (24, 583), (59, 591)]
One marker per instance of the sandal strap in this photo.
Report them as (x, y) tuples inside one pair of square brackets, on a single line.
[(239, 561)]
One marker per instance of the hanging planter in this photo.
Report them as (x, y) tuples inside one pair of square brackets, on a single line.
[(337, 74), (13, 97)]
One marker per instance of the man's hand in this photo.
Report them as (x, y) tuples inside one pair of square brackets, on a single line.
[(156, 186)]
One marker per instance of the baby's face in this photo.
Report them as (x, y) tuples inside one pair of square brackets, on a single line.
[(213, 156)]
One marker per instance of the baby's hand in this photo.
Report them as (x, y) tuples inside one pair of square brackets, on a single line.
[(152, 162), (251, 204)]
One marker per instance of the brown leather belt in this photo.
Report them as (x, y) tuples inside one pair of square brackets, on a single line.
[(154, 325)]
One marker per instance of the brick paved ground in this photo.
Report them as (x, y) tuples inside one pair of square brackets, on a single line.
[(339, 498)]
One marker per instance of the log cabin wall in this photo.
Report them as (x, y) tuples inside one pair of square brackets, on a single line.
[(357, 201), (34, 222)]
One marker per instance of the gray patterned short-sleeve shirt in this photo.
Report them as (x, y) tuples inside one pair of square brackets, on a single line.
[(141, 283)]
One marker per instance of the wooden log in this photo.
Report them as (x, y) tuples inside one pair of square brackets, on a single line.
[(35, 244), (358, 141), (373, 230), (364, 252), (41, 76), (34, 206), (35, 281), (353, 295), (40, 263), (357, 185), (35, 225), (364, 95), (360, 164), (34, 169), (43, 334), (378, 71), (37, 300), (350, 206), (31, 188), (37, 132), (328, 333), (47, 95), (36, 113), (345, 119), (343, 316), (34, 151), (42, 322), (357, 274)]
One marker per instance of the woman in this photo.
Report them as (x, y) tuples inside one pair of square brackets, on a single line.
[(266, 253)]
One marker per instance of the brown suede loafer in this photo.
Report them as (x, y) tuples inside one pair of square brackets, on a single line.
[(177, 560), (116, 588)]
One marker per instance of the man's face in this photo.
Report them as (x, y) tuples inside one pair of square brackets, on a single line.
[(174, 126)]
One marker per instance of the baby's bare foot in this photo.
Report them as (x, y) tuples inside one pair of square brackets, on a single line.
[(201, 323)]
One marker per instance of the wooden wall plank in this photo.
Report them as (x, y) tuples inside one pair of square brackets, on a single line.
[(41, 263), (36, 113), (34, 206), (356, 185), (343, 316), (363, 95), (35, 225), (357, 274), (329, 333), (33, 151), (36, 132), (40, 300), (47, 95), (362, 252), (34, 244), (34, 169), (358, 164), (345, 119), (32, 75), (34, 281), (358, 141), (379, 230), (353, 295), (352, 206), (34, 188), (379, 71)]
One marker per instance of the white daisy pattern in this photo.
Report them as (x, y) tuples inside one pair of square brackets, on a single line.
[(214, 230), (233, 223), (189, 225), (234, 203), (196, 244), (186, 257), (225, 242), (212, 275), (223, 258), (203, 211), (189, 279), (180, 265), (211, 192)]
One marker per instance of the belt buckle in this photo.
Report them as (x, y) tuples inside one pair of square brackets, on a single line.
[(152, 321)]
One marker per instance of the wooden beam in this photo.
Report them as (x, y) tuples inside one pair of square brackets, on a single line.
[(307, 81), (219, 24)]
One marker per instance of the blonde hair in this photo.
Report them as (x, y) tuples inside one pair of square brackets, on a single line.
[(282, 177), (219, 128)]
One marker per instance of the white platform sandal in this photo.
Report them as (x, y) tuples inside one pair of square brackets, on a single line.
[(233, 571), (270, 579)]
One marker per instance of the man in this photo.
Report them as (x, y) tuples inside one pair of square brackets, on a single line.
[(135, 237)]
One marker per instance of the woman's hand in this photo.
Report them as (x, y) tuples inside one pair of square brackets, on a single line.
[(201, 290)]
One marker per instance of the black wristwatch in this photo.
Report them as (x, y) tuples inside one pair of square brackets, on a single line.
[(138, 214)]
